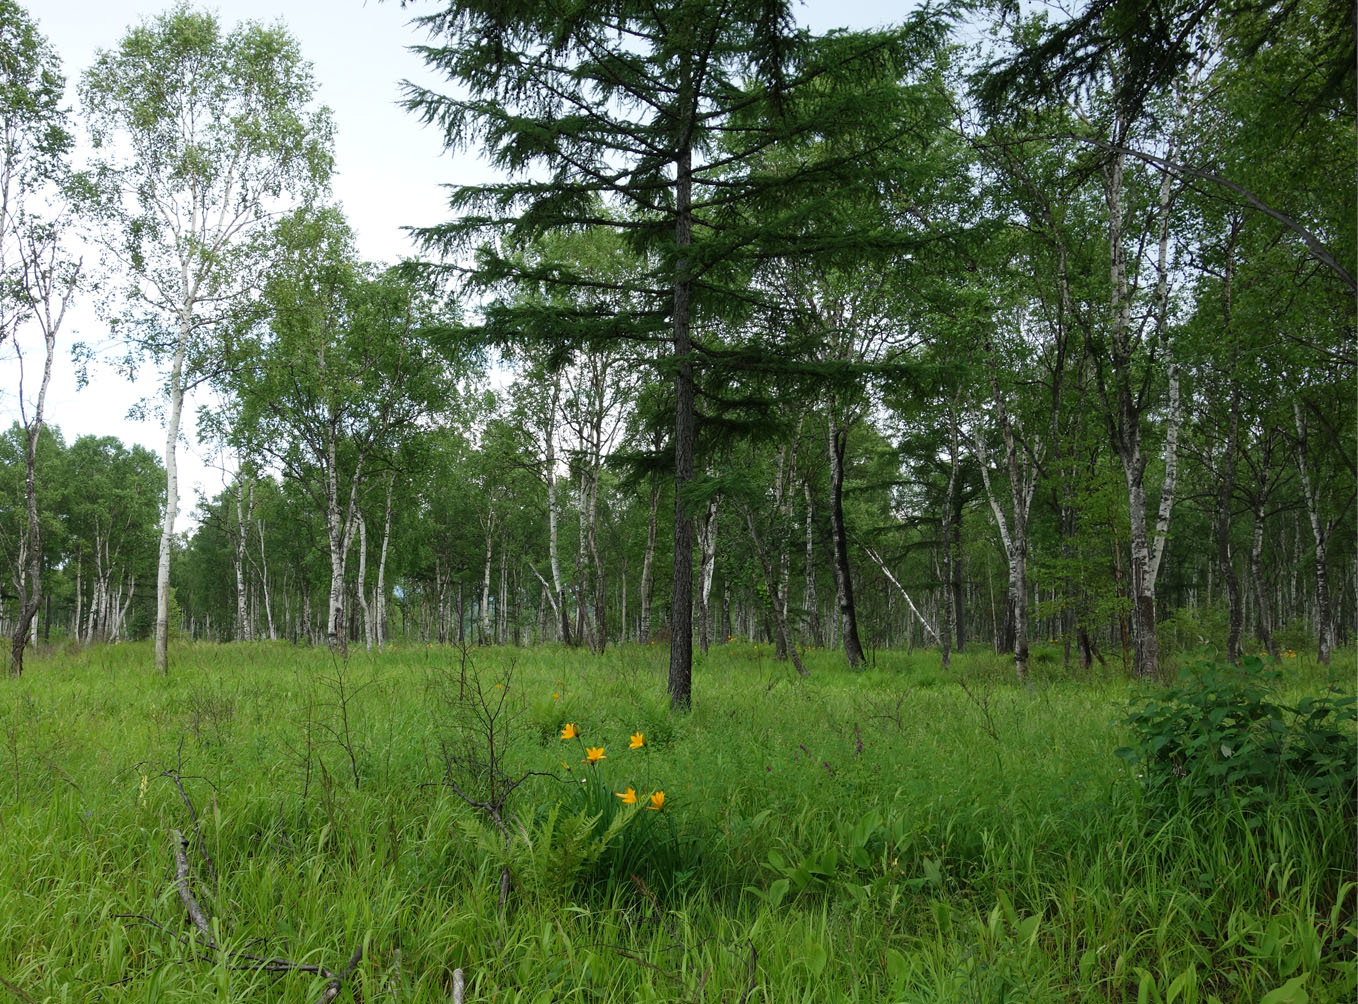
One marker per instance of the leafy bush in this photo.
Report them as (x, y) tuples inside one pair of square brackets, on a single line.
[(1222, 734)]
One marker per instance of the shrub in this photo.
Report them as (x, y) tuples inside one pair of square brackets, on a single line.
[(1221, 734)]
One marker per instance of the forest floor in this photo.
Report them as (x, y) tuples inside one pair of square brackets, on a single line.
[(900, 834)]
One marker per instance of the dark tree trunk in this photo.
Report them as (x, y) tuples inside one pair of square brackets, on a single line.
[(681, 603), (853, 648)]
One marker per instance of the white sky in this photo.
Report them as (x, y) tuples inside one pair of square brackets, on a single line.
[(389, 170)]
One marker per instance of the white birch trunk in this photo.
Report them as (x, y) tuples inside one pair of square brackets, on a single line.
[(380, 590), (707, 563), (489, 525), (809, 599), (1324, 620), (264, 582), (363, 583), (244, 514), (176, 390)]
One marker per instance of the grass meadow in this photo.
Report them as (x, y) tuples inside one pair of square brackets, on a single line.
[(880, 836)]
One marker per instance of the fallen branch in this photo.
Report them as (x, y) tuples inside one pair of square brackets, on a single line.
[(181, 881), (753, 963), (887, 572), (332, 988), (16, 991), (177, 776), (243, 960)]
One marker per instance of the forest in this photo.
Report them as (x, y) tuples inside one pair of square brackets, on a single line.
[(961, 383), (1049, 336)]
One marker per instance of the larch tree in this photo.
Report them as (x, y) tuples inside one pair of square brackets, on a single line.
[(654, 120), (201, 137)]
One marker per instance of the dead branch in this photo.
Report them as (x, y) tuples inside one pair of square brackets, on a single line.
[(242, 960), (177, 776), (181, 868), (332, 988), (16, 991), (750, 985), (901, 589), (459, 986)]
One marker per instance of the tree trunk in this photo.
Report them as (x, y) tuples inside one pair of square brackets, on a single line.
[(340, 529), (558, 586), (363, 604), (681, 603), (502, 600), (958, 583), (707, 551), (176, 390), (1226, 476), (728, 630), (264, 582), (1125, 419), (29, 572), (600, 633), (853, 648), (1022, 482), (1263, 601), (380, 590), (776, 600), (485, 581), (949, 559), (809, 599), (244, 514), (648, 562), (622, 604), (1321, 532)]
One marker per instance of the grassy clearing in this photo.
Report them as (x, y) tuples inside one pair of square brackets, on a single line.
[(874, 836)]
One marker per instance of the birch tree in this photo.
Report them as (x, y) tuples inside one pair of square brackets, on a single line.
[(37, 281), (200, 136), (345, 367)]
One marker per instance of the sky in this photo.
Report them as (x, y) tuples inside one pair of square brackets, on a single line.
[(389, 173)]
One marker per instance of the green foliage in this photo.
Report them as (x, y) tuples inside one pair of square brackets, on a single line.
[(1221, 734)]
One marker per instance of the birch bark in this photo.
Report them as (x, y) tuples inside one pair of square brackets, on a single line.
[(707, 551), (1321, 532)]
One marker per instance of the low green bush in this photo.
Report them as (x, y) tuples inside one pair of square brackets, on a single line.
[(1220, 733)]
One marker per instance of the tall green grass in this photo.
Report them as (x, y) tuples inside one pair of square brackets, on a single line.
[(882, 836)]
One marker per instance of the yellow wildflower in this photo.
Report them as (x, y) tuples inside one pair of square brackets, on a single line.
[(556, 697), (570, 731), (593, 754), (657, 801), (629, 797), (638, 741)]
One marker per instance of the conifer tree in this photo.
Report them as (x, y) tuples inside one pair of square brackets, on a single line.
[(659, 120)]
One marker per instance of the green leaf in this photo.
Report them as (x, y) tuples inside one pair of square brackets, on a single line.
[(1290, 992), (896, 966), (776, 892), (1185, 983), (816, 957), (1088, 960)]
